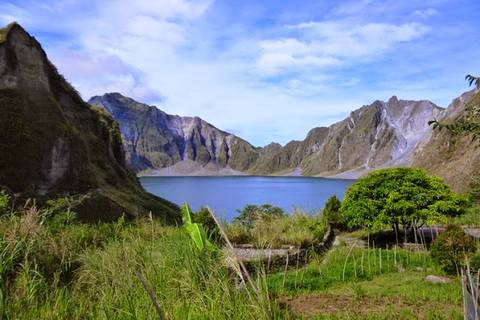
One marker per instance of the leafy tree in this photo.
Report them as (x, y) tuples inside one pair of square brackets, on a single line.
[(251, 213), (404, 197)]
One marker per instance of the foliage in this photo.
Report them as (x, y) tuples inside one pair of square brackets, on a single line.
[(470, 218), (195, 230), (451, 248), (251, 213), (204, 218), (399, 196), (331, 212), (4, 201), (472, 79), (469, 122), (298, 229), (474, 262), (87, 271)]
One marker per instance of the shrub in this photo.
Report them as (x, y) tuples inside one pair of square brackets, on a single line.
[(250, 213), (451, 248), (474, 262), (298, 229), (331, 212), (238, 233)]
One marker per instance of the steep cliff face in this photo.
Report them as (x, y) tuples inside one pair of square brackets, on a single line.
[(456, 158), (378, 135), (155, 140), (53, 143)]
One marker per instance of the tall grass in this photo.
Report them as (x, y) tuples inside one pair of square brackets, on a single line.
[(298, 229), (55, 268)]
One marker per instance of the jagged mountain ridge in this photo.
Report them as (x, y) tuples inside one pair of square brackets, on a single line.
[(55, 144), (377, 135), (154, 139)]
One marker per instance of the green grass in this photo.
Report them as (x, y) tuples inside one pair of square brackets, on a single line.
[(52, 267), (298, 229), (470, 218), (387, 285)]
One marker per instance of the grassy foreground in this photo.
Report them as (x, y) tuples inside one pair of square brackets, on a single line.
[(363, 283), (52, 267)]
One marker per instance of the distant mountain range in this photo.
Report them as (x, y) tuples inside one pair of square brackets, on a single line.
[(382, 134)]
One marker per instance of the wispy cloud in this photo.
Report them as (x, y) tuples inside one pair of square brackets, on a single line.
[(332, 43), (425, 13)]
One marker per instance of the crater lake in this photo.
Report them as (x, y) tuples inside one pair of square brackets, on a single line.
[(226, 194)]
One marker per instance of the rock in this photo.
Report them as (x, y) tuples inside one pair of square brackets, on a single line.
[(437, 279), (54, 144), (154, 140), (377, 135), (455, 158)]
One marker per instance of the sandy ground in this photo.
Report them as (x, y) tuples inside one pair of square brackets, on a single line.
[(191, 168)]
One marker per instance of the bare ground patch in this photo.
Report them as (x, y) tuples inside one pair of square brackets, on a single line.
[(337, 305)]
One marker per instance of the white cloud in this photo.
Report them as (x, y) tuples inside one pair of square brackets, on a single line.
[(321, 44), (425, 13)]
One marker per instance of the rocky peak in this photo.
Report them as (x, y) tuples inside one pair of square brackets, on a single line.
[(54, 144)]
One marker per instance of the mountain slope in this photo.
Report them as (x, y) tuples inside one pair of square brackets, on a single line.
[(456, 158), (54, 144), (155, 140), (377, 135)]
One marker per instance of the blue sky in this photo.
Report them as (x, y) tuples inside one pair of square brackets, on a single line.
[(265, 70)]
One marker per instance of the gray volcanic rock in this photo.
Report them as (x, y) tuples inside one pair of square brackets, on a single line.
[(155, 140), (382, 134), (378, 135), (54, 144), (455, 158)]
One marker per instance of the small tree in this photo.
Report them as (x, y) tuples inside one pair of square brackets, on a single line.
[(396, 197), (251, 213), (331, 212), (451, 248)]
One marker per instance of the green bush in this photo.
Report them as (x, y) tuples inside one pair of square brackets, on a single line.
[(251, 213), (331, 213), (474, 262), (451, 248), (273, 231)]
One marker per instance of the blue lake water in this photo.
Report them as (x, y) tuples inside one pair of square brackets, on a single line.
[(227, 194)]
